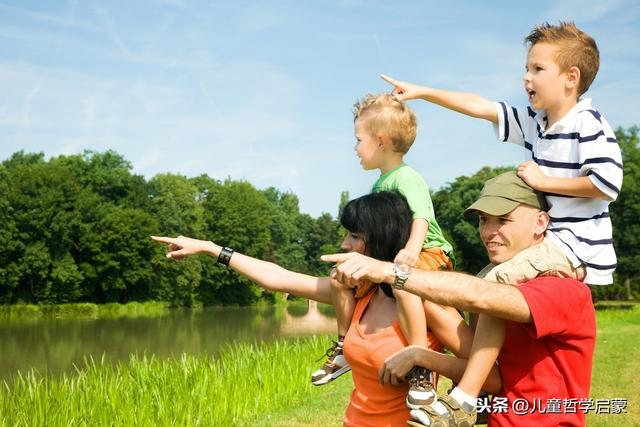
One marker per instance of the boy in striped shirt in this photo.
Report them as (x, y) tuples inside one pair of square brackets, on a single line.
[(575, 160)]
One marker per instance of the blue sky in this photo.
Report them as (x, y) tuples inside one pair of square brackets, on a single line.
[(263, 90)]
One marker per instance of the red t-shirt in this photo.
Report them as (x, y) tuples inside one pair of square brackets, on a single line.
[(547, 363)]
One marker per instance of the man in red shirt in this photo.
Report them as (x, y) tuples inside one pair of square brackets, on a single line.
[(546, 359)]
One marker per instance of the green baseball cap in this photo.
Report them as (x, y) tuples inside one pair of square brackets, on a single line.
[(502, 194)]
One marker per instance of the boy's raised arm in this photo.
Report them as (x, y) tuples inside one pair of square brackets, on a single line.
[(466, 103)]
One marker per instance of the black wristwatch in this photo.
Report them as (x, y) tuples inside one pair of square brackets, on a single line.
[(402, 272), (225, 256)]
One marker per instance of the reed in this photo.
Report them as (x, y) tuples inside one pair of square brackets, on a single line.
[(246, 380), (83, 310), (258, 385)]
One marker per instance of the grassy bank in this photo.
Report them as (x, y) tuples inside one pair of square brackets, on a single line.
[(83, 310), (244, 382), (260, 385), (615, 370)]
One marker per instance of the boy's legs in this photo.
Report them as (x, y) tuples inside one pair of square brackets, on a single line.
[(487, 342), (410, 307), (343, 299), (413, 324), (449, 328), (412, 319)]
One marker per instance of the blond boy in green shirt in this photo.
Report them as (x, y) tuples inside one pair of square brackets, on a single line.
[(385, 129)]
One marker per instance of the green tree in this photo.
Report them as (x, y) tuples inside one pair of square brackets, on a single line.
[(42, 199), (285, 246), (449, 204), (174, 203), (236, 215), (123, 255), (625, 212), (10, 245), (318, 237), (20, 158), (344, 199), (109, 175)]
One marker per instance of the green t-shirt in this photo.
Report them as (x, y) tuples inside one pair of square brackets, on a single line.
[(410, 184)]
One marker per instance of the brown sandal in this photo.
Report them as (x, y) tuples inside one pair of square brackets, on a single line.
[(456, 417)]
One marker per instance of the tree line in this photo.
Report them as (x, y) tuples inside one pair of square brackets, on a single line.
[(76, 229)]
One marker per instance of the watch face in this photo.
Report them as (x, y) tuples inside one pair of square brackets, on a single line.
[(402, 270)]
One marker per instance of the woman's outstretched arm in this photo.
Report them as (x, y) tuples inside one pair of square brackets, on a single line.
[(266, 274)]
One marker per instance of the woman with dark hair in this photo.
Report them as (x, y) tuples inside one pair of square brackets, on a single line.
[(381, 220), (378, 225)]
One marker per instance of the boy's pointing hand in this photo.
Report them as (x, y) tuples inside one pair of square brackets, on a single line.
[(402, 91)]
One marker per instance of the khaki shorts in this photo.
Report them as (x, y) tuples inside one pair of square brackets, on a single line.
[(545, 259)]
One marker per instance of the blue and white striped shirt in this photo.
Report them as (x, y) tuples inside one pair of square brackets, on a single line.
[(580, 144)]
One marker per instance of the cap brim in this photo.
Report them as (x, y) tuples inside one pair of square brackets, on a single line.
[(491, 205)]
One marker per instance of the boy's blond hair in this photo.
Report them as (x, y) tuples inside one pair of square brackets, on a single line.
[(384, 114), (575, 48)]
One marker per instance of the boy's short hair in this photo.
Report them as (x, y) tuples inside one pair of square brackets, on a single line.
[(575, 48), (384, 114)]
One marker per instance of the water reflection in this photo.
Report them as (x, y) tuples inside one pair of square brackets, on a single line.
[(55, 345)]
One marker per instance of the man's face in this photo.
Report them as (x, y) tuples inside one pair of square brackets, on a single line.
[(504, 236)]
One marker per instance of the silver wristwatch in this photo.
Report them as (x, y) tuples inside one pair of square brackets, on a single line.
[(402, 272)]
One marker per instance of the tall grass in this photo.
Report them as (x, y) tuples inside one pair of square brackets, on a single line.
[(245, 381), (259, 385), (83, 310), (615, 368)]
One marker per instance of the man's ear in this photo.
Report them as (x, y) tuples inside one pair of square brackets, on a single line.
[(542, 222), (573, 77)]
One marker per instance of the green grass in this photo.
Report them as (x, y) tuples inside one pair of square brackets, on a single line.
[(244, 382), (82, 310), (259, 385), (621, 305), (616, 360)]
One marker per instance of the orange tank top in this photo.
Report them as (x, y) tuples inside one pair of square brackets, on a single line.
[(372, 404)]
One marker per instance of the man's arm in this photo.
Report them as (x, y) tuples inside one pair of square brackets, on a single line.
[(469, 293), (466, 103), (458, 290)]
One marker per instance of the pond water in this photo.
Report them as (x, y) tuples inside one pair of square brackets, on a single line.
[(55, 345)]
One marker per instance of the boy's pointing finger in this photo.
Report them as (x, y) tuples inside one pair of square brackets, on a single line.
[(389, 80)]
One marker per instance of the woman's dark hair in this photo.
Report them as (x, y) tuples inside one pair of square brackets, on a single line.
[(384, 221)]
